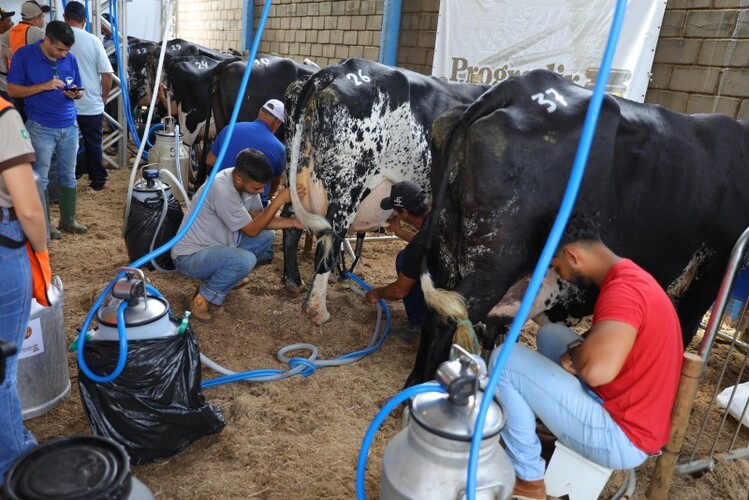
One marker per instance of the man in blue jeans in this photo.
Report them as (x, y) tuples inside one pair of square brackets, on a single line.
[(230, 235), (45, 75), (607, 394), (409, 205)]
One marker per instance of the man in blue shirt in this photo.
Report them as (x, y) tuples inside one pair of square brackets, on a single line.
[(256, 135), (46, 77)]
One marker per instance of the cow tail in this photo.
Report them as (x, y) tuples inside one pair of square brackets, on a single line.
[(452, 305), (302, 138)]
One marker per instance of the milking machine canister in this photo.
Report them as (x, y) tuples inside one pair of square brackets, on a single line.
[(428, 458), (143, 393), (165, 152), (154, 218)]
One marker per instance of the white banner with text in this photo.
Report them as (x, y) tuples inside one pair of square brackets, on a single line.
[(487, 41)]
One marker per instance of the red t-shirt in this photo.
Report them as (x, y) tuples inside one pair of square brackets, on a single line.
[(641, 396)]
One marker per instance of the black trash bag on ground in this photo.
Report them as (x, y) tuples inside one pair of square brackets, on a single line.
[(154, 408), (142, 223)]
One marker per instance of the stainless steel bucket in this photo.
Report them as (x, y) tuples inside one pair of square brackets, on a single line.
[(43, 379)]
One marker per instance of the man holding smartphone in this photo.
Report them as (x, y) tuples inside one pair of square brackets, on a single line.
[(46, 76), (96, 75)]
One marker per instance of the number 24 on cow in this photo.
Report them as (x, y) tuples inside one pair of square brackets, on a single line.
[(355, 79)]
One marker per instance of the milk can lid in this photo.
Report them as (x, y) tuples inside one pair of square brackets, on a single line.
[(437, 414), (135, 314), (74, 467)]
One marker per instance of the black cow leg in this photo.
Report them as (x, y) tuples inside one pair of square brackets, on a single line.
[(434, 348), (291, 278)]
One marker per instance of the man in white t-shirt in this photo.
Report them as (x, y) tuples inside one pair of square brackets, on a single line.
[(96, 76), (230, 235)]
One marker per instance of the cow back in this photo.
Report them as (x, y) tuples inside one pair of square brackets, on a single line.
[(270, 77)]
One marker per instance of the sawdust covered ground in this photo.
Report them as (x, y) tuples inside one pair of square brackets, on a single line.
[(298, 438)]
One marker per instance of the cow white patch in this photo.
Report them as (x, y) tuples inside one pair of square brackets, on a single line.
[(681, 284)]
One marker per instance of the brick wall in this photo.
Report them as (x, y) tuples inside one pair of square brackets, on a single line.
[(324, 31), (702, 57), (213, 23), (418, 31)]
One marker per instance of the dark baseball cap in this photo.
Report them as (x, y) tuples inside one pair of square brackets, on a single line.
[(406, 194), (75, 11), (4, 14)]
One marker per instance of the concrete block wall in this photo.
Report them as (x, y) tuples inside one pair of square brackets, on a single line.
[(213, 23), (702, 59), (418, 32), (323, 30)]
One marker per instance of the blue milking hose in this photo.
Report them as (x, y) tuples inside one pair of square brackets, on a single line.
[(305, 366), (180, 234), (568, 202), (404, 395)]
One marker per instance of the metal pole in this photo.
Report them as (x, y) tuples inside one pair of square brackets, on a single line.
[(122, 159)]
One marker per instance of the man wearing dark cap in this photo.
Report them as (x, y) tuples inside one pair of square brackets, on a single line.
[(6, 23), (28, 31), (96, 75), (408, 202)]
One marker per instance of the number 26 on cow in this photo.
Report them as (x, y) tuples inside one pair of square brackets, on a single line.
[(364, 78), (551, 105)]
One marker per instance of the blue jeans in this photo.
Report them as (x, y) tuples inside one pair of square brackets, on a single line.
[(533, 384), (414, 301), (61, 141), (221, 268), (15, 300)]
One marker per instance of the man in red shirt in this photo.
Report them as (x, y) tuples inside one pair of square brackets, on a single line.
[(608, 394)]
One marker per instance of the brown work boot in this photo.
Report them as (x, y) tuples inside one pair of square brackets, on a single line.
[(199, 307), (244, 282), (529, 490)]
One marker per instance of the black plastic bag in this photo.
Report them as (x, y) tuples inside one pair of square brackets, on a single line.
[(154, 408), (142, 223)]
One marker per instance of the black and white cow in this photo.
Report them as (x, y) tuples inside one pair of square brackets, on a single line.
[(668, 190), (190, 80), (354, 129), (137, 69), (270, 77)]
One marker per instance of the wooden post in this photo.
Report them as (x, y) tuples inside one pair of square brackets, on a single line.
[(660, 481)]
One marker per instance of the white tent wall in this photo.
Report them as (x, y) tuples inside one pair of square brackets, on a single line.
[(144, 16)]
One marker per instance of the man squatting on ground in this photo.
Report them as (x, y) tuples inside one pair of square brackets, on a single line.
[(230, 235), (607, 394), (409, 205)]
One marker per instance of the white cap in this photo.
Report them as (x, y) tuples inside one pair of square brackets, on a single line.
[(275, 107)]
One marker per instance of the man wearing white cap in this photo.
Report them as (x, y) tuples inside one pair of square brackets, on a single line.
[(256, 135)]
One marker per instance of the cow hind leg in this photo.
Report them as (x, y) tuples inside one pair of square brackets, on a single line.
[(292, 280), (435, 342)]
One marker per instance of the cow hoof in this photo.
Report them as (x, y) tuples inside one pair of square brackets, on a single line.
[(294, 288), (319, 319)]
